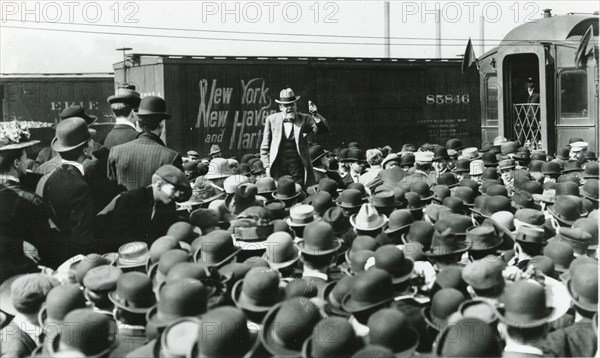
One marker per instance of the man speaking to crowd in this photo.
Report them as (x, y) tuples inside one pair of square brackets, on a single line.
[(284, 148)]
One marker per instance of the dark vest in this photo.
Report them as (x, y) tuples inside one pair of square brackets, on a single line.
[(288, 158)]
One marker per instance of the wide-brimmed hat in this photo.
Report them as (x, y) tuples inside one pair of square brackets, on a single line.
[(152, 107), (258, 291), (319, 239), (214, 149), (218, 168), (385, 328), (483, 238), (446, 243), (133, 293), (524, 305), (217, 249), (133, 254), (372, 288), (71, 133), (181, 298), (125, 95), (281, 252), (392, 260), (344, 344), (301, 215), (583, 287), (287, 325), (286, 190), (368, 218), (443, 303), (287, 96)]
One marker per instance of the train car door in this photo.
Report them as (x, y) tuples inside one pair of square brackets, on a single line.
[(525, 107)]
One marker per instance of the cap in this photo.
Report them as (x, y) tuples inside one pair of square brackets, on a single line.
[(173, 176)]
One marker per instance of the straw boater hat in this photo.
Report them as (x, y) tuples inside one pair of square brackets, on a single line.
[(15, 135)]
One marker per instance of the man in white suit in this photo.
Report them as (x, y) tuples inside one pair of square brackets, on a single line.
[(284, 148)]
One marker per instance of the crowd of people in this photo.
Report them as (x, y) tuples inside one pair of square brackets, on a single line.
[(131, 249)]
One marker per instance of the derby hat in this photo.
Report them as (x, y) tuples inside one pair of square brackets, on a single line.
[(591, 171), (286, 190), (443, 303), (244, 169), (466, 194), (509, 148), (244, 198), (266, 185), (497, 203), (368, 219), (300, 287), (301, 215), (159, 247), (446, 243), (71, 133), (358, 260), (258, 291), (551, 168), (333, 293), (335, 217), (589, 190), (524, 305), (91, 334), (543, 264), (565, 210), (578, 239), (561, 254), (462, 166), (480, 342), (583, 287), (471, 184), (407, 159), (320, 201), (440, 153), (489, 160), (440, 192), (132, 255), (529, 217), (480, 308), (218, 168), (319, 345), (387, 325), (287, 325), (223, 332), (422, 189), (258, 168), (566, 188), (372, 288), (362, 242), (563, 154), (454, 144), (399, 219), (483, 238), (457, 223), (60, 301), (590, 226), (480, 205), (319, 240), (484, 274), (316, 152), (533, 187), (125, 95), (415, 204), (179, 337), (133, 293), (539, 155), (281, 252), (349, 199), (168, 259), (535, 166), (181, 298), (276, 209), (100, 280), (447, 179), (496, 189), (421, 232), (217, 249), (392, 260), (77, 111), (152, 108), (287, 96), (355, 155), (571, 166), (182, 232), (523, 199), (434, 212), (384, 200)]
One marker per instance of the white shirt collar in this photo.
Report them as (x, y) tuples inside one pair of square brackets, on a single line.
[(6, 177), (121, 120), (512, 346), (77, 165), (309, 272)]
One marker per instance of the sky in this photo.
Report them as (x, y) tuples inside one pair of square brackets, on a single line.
[(81, 36)]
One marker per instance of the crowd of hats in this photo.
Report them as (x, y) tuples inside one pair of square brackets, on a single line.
[(275, 270)]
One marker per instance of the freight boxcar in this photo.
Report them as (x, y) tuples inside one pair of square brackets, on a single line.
[(223, 100), (38, 99)]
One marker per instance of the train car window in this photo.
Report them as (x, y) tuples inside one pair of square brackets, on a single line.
[(573, 96), (491, 90)]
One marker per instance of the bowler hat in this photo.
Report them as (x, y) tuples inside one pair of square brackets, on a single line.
[(384, 200), (319, 239), (590, 226), (509, 147), (153, 108), (407, 159), (440, 192), (590, 190), (286, 190), (183, 232), (563, 154), (533, 187), (159, 247), (90, 333), (450, 277), (181, 298), (301, 215), (179, 338), (335, 217), (350, 199), (101, 279), (287, 96), (277, 209), (523, 199), (496, 189), (320, 201), (446, 243), (244, 197), (415, 204), (392, 157), (368, 219), (421, 232), (372, 288), (443, 303), (133, 254), (422, 189), (454, 144), (524, 305), (168, 259), (258, 291), (333, 293), (483, 238), (591, 170), (457, 223), (497, 203), (531, 236), (281, 252), (578, 239), (243, 169), (440, 153), (355, 155), (287, 325), (258, 168), (328, 185), (320, 346), (223, 332), (399, 220), (551, 168), (71, 133), (466, 194), (484, 274), (571, 166), (583, 287), (543, 264), (60, 301), (480, 308), (435, 211), (125, 95), (362, 242), (266, 185), (530, 217), (489, 160), (565, 210), (133, 293), (463, 165), (77, 111), (387, 325), (566, 188), (218, 168), (26, 293), (481, 341), (392, 260), (447, 179), (316, 152), (217, 249), (301, 287), (561, 254)]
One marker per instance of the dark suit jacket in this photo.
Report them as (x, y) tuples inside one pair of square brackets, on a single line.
[(388, 177), (132, 164), (71, 207), (120, 134), (534, 98), (127, 219), (577, 340), (304, 125)]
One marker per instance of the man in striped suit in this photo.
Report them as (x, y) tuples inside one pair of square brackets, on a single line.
[(132, 164)]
